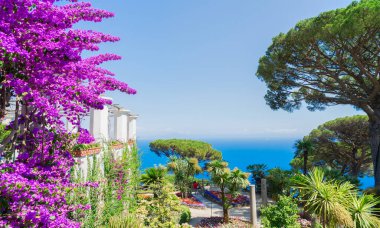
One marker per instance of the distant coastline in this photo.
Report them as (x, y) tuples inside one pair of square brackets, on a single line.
[(241, 153)]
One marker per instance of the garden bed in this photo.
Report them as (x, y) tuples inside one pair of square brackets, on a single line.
[(191, 201), (115, 144), (217, 222), (216, 196), (82, 150)]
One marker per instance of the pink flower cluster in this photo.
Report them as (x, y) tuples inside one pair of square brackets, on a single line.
[(41, 65)]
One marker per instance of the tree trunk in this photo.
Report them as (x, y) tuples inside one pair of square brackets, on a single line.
[(305, 157), (355, 164), (374, 136), (225, 206), (225, 215)]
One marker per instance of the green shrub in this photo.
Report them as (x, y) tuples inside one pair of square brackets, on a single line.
[(185, 215), (163, 210), (124, 221), (81, 147), (107, 201), (3, 133), (282, 214), (279, 182)]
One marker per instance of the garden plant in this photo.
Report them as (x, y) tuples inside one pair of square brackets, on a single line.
[(46, 78)]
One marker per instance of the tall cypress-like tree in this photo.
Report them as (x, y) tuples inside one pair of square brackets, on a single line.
[(330, 59)]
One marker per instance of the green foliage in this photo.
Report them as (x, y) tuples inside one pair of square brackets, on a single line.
[(133, 164), (81, 147), (363, 211), (124, 221), (154, 175), (84, 195), (170, 178), (236, 181), (258, 171), (3, 133), (184, 170), (336, 175), (328, 60), (343, 144), (9, 154), (326, 199), (336, 203), (185, 148), (284, 213), (115, 194), (228, 181), (304, 149), (278, 182), (162, 210), (297, 163), (325, 60), (114, 143), (185, 215), (119, 193)]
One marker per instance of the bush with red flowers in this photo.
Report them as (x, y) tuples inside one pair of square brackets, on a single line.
[(191, 201)]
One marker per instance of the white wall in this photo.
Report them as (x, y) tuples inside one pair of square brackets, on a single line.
[(121, 125), (99, 124)]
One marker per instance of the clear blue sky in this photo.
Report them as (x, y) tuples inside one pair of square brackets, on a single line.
[(194, 62)]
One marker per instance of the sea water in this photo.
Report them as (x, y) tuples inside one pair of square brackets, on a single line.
[(241, 153)]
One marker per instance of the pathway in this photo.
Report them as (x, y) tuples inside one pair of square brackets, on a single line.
[(215, 210)]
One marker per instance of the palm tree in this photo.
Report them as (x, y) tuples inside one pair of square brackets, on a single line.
[(184, 170), (363, 211), (237, 180), (227, 180), (303, 149), (154, 175), (326, 199)]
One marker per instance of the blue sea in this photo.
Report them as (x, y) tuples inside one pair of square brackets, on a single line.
[(241, 153)]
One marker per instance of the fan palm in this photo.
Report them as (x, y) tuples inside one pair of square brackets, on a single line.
[(226, 179), (237, 180)]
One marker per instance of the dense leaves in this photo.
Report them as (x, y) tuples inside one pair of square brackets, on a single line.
[(184, 170), (336, 203), (164, 208), (341, 144), (185, 148), (154, 175), (284, 213), (109, 192), (328, 60), (278, 182)]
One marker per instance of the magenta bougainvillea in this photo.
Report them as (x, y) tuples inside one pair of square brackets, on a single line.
[(42, 70)]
